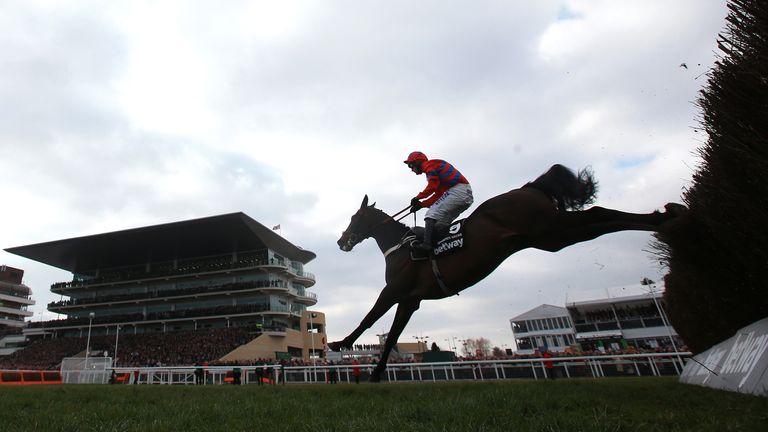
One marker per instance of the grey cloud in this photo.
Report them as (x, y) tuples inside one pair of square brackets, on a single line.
[(56, 77)]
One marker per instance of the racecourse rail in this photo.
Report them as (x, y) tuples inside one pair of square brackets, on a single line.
[(647, 364)]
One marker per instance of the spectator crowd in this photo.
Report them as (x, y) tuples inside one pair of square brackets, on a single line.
[(151, 349)]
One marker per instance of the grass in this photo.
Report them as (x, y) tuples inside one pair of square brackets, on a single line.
[(615, 404)]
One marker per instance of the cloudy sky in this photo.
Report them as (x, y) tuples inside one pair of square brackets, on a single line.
[(122, 114)]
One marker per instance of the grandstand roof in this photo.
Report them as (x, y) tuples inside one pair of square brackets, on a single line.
[(626, 293), (542, 311), (214, 235)]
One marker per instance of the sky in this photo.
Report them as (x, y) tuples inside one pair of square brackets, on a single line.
[(123, 114)]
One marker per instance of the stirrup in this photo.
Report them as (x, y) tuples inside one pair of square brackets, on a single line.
[(422, 246)]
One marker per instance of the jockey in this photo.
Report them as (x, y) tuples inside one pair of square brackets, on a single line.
[(448, 194)]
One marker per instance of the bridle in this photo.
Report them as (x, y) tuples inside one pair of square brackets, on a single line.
[(355, 238)]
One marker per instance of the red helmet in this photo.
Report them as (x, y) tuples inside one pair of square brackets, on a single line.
[(416, 156)]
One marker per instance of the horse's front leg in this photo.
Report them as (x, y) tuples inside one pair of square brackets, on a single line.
[(403, 315), (383, 304)]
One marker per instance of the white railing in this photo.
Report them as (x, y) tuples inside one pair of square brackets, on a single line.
[(309, 295), (651, 364), (648, 364)]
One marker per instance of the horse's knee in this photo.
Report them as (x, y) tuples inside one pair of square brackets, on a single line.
[(334, 346)]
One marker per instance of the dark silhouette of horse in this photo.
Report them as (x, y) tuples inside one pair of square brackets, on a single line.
[(545, 214)]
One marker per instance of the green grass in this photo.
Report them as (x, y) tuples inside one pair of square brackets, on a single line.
[(615, 404)]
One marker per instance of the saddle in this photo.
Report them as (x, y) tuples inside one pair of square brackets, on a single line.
[(446, 240), (418, 232)]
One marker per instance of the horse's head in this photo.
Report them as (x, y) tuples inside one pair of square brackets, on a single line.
[(363, 222)]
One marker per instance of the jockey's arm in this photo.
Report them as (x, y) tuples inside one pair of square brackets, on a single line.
[(433, 183)]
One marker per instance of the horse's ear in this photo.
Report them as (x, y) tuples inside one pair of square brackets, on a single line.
[(373, 205), (365, 202)]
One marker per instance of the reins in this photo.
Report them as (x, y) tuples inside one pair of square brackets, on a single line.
[(401, 217), (386, 220), (370, 230)]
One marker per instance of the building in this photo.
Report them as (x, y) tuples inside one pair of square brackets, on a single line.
[(628, 317), (226, 271), (543, 326), (618, 319), (15, 298)]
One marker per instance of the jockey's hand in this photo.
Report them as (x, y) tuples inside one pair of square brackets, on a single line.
[(416, 205)]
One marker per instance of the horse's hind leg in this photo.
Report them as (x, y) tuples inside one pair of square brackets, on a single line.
[(641, 221), (570, 228), (382, 305), (600, 215), (403, 315)]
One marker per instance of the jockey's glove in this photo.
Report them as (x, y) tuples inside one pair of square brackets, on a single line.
[(416, 205)]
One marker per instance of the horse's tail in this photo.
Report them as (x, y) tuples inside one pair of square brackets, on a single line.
[(571, 191)]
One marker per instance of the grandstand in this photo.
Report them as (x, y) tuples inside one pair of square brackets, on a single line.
[(543, 326), (620, 319), (222, 288), (15, 297)]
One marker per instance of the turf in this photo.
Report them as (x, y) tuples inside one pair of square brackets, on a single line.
[(616, 404)]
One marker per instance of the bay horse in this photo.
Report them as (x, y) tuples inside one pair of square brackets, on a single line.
[(545, 214)]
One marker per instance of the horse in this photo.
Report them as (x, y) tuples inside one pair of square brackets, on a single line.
[(545, 214)]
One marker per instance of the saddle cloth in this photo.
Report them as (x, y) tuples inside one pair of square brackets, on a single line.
[(451, 241)]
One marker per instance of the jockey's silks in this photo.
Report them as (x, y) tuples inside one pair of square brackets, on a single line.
[(441, 176)]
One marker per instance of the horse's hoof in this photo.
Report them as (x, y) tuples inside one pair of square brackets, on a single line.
[(336, 346), (675, 209), (374, 378)]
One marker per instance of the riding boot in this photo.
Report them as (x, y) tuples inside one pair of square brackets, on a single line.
[(429, 228)]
